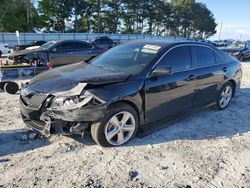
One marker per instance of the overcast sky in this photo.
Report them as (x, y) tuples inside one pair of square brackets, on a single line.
[(235, 16)]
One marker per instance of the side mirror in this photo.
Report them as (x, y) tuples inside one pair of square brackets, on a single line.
[(161, 71)]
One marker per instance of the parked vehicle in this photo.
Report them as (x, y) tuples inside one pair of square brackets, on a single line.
[(104, 42), (57, 53), (4, 49), (132, 88), (238, 49), (24, 46)]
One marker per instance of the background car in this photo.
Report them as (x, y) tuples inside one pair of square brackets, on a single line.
[(238, 49), (128, 88), (4, 49), (56, 53), (104, 42), (33, 43)]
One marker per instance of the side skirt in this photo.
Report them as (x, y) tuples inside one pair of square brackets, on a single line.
[(147, 129)]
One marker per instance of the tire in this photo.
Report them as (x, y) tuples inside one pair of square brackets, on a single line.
[(242, 58), (1, 54), (101, 129), (2, 85), (225, 93), (11, 87)]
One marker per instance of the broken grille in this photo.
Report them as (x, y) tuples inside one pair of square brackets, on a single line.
[(34, 100)]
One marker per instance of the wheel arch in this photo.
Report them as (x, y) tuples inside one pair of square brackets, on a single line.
[(233, 82), (130, 103)]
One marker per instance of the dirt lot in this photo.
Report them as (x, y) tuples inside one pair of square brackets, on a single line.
[(209, 149)]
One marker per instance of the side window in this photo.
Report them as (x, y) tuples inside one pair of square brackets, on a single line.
[(204, 56), (83, 46), (178, 59), (218, 58), (66, 46)]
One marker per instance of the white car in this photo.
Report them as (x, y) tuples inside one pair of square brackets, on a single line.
[(4, 48)]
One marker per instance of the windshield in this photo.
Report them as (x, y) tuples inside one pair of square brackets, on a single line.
[(240, 45), (130, 57), (47, 45)]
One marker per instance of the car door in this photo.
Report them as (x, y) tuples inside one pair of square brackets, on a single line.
[(83, 52), (62, 54), (166, 96), (211, 68)]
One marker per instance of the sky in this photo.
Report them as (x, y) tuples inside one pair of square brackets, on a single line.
[(234, 16)]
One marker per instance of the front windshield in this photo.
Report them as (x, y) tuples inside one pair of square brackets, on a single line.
[(240, 45), (47, 45), (130, 57)]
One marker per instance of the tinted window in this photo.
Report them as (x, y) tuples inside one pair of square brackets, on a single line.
[(204, 56), (66, 46), (218, 58), (178, 59), (82, 46)]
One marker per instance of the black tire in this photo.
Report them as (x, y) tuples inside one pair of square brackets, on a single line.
[(2, 85), (1, 53), (242, 58), (218, 105), (98, 128), (11, 87)]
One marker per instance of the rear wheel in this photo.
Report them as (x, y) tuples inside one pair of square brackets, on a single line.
[(2, 85), (118, 126), (225, 96), (242, 58), (11, 87), (1, 53)]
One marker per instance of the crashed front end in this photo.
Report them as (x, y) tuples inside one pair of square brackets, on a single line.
[(61, 113)]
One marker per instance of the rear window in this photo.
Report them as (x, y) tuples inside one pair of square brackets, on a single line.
[(204, 56)]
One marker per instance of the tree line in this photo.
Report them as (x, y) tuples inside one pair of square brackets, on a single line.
[(185, 18)]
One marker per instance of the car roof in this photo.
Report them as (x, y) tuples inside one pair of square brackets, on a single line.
[(167, 42)]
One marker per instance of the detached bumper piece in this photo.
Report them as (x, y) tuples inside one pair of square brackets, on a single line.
[(38, 116)]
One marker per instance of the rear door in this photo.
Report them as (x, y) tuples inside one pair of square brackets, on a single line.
[(83, 51), (211, 68), (166, 96), (62, 54)]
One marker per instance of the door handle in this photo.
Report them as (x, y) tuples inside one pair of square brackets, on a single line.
[(190, 78), (70, 53), (224, 69)]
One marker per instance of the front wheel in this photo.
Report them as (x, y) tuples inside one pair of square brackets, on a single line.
[(225, 96), (118, 126)]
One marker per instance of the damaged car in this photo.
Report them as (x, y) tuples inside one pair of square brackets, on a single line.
[(132, 89), (58, 53)]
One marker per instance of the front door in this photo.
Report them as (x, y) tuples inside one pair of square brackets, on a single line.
[(166, 96)]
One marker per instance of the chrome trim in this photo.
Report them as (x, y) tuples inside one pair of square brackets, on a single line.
[(190, 54)]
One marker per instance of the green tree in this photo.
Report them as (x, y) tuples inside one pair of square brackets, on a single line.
[(18, 15), (54, 14)]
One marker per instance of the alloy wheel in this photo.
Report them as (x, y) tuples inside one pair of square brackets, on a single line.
[(226, 96), (120, 128)]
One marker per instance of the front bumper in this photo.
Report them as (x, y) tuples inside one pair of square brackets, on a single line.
[(44, 119)]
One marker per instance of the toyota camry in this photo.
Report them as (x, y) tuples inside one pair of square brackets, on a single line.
[(131, 89)]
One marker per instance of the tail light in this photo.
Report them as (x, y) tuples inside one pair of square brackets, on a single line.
[(49, 65)]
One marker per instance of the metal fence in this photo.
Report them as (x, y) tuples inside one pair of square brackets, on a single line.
[(11, 39)]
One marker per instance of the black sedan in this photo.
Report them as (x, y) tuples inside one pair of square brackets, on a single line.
[(57, 53), (130, 89), (238, 49)]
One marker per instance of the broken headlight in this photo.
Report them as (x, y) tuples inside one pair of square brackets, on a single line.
[(70, 102)]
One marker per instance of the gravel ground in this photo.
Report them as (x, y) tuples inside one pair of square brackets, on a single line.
[(208, 149)]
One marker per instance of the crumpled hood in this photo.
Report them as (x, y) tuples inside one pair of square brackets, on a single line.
[(67, 77), (25, 52)]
